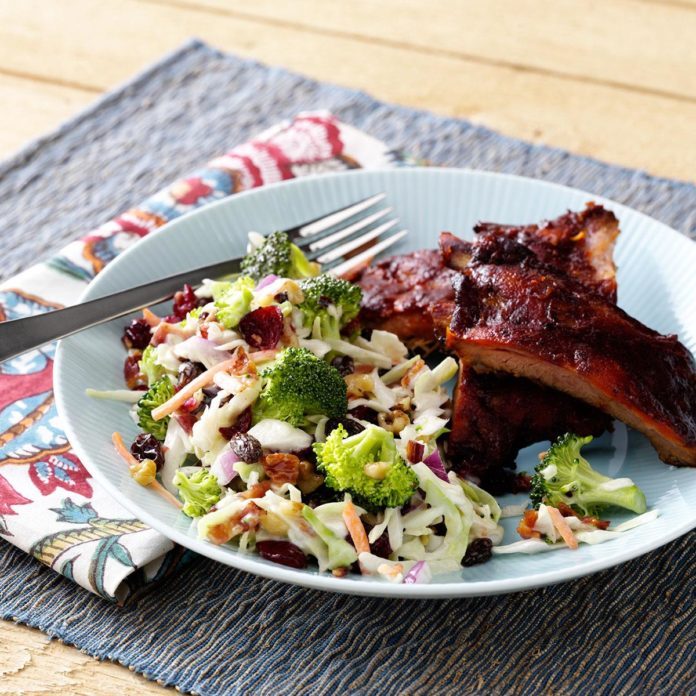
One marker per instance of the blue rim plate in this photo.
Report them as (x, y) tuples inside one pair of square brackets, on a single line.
[(656, 285)]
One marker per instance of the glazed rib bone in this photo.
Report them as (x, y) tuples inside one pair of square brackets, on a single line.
[(525, 320)]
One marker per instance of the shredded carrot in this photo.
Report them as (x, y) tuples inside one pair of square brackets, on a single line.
[(121, 449), (355, 528), (150, 317), (194, 385), (562, 526), (156, 486)]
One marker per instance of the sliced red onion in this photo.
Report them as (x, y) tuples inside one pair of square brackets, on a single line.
[(418, 573), (434, 463), (266, 281), (223, 467)]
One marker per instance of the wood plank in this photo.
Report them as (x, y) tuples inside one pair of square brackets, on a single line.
[(31, 108), (690, 4), (634, 129), (32, 663), (575, 38)]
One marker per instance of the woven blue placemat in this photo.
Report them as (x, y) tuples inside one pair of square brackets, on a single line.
[(214, 630)]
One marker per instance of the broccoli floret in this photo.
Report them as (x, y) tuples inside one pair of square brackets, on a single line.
[(564, 476), (160, 391), (232, 300), (367, 466), (148, 366), (299, 384), (200, 491), (278, 256), (341, 553), (333, 300)]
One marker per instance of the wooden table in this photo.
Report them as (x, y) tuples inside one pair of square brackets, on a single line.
[(614, 79)]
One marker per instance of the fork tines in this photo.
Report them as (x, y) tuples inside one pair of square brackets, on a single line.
[(355, 226)]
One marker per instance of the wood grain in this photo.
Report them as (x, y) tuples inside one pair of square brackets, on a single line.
[(32, 663), (591, 42), (620, 124), (612, 79)]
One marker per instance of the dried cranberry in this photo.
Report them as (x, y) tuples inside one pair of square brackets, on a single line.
[(186, 420), (381, 546), (283, 552), (184, 301), (364, 413), (262, 328), (344, 364), (352, 427), (188, 371), (281, 297), (246, 447), (137, 334), (242, 424), (134, 378), (191, 405), (478, 551), (147, 446)]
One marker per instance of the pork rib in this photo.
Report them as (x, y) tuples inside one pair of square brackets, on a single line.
[(495, 415), (524, 319), (398, 292), (578, 244)]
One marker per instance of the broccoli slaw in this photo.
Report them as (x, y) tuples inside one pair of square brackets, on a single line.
[(277, 426)]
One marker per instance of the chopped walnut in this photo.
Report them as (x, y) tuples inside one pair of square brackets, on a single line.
[(393, 421), (281, 467)]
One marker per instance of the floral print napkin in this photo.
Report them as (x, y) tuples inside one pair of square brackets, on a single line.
[(49, 505)]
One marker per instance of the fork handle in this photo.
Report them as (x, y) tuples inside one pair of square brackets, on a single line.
[(21, 335)]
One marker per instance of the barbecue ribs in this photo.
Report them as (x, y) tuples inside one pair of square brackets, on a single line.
[(496, 415), (523, 318), (580, 245), (398, 292)]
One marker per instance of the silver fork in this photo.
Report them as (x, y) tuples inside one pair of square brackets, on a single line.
[(327, 240)]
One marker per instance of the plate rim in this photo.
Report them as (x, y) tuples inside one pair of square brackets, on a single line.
[(322, 581)]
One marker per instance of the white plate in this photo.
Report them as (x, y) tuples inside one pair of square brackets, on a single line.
[(657, 284)]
